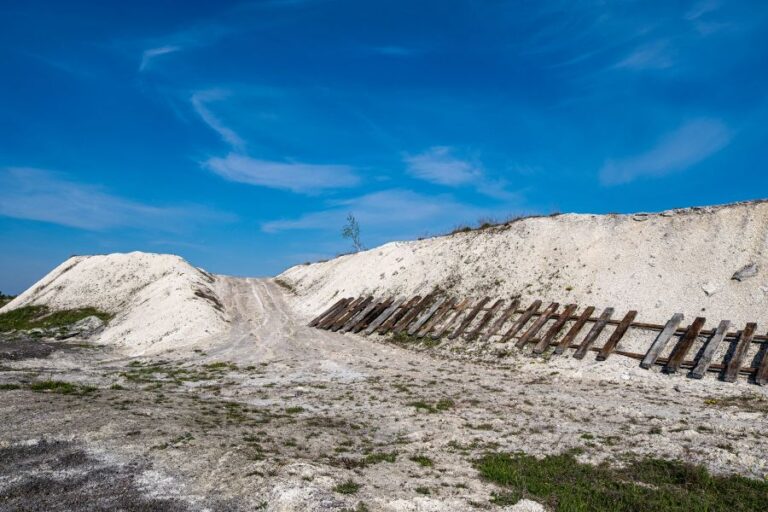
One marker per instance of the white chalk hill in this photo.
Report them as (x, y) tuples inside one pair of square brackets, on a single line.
[(159, 301)]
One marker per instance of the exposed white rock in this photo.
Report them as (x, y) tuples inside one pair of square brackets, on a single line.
[(655, 266), (159, 300)]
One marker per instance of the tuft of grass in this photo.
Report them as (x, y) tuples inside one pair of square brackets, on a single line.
[(423, 490), (60, 387), (348, 487), (34, 317), (375, 458), (441, 405), (563, 483), (9, 387), (220, 366), (423, 461), (294, 410)]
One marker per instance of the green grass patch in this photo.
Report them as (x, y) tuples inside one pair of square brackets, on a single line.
[(423, 461), (9, 387), (34, 317), (564, 484), (348, 487), (375, 458), (294, 410), (441, 405), (60, 387)]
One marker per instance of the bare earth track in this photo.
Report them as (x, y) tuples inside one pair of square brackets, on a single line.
[(274, 415)]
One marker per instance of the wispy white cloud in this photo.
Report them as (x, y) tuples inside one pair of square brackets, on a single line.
[(688, 145), (399, 210), (441, 166), (293, 176), (149, 55), (701, 8), (239, 166), (200, 100), (394, 51), (41, 195), (655, 55)]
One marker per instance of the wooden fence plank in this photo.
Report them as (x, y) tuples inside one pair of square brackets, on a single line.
[(761, 378), (398, 314), (426, 316), (411, 315), (451, 319), (468, 319), (376, 323), (709, 350), (684, 345), (499, 323), (351, 312), (441, 313), (732, 370), (486, 318), (593, 333), (616, 336), (657, 347), (358, 317), (543, 344), (537, 325), (328, 322), (532, 309), (327, 312), (574, 331), (378, 308)]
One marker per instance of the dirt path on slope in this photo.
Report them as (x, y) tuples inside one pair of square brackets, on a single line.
[(275, 415)]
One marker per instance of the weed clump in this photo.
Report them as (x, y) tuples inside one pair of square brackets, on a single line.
[(348, 487)]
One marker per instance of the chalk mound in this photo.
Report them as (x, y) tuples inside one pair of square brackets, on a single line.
[(710, 262), (159, 301)]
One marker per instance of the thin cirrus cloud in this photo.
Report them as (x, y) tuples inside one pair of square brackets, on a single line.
[(398, 209), (440, 165), (42, 195), (685, 147), (294, 176), (238, 166), (653, 56), (200, 101), (148, 56)]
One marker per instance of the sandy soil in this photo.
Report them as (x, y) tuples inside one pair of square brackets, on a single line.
[(300, 410)]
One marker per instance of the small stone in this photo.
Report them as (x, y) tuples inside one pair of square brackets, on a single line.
[(710, 289), (749, 270)]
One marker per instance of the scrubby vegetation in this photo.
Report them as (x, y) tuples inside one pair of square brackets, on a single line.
[(564, 484), (5, 299), (32, 317), (488, 222), (61, 387)]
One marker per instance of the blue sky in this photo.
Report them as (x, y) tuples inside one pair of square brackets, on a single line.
[(240, 134)]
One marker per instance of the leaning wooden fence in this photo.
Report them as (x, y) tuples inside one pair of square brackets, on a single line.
[(504, 321)]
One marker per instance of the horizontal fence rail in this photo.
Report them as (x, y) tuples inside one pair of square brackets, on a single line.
[(555, 329)]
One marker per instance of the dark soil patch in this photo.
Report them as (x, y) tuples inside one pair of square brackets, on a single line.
[(59, 476)]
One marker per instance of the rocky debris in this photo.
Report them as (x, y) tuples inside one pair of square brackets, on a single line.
[(85, 328), (747, 271), (710, 288)]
